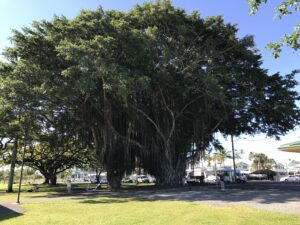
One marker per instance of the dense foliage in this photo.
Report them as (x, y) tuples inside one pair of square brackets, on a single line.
[(140, 88), (261, 161), (284, 8)]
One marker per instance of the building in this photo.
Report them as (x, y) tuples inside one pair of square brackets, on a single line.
[(241, 166), (280, 170), (278, 167), (293, 167)]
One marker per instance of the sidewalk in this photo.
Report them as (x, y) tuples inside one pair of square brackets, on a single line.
[(10, 209)]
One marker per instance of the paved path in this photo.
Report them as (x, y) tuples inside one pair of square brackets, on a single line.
[(10, 210), (265, 200)]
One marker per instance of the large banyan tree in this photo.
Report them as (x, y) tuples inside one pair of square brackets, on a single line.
[(144, 86)]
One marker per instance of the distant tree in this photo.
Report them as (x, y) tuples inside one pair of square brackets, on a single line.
[(221, 155), (283, 9), (209, 153), (293, 162), (4, 175), (239, 153), (52, 160), (261, 161), (56, 147)]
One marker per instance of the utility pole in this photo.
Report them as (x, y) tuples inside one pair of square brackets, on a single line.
[(233, 159)]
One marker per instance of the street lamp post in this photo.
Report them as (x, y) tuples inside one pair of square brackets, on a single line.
[(233, 159)]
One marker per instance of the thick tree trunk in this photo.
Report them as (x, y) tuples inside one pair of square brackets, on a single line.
[(98, 175), (171, 172), (47, 180), (12, 167), (169, 176), (53, 180), (98, 178), (50, 179), (114, 179)]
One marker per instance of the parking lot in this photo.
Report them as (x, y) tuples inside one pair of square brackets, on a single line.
[(269, 185), (274, 196)]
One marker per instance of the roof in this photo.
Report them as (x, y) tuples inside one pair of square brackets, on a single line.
[(290, 147)]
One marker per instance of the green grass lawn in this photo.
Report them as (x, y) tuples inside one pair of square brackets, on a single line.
[(46, 191), (109, 211), (119, 211)]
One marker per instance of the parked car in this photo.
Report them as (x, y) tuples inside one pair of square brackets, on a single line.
[(289, 178), (211, 179), (241, 178), (143, 179), (77, 180), (152, 179), (196, 180), (103, 180), (93, 180), (128, 180), (257, 176)]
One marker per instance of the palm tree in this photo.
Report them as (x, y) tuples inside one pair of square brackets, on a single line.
[(261, 161), (221, 155), (239, 153), (216, 146)]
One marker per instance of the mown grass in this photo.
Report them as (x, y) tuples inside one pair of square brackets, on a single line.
[(43, 191), (123, 211), (47, 191)]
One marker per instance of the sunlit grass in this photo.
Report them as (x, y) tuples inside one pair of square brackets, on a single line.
[(121, 211), (45, 191)]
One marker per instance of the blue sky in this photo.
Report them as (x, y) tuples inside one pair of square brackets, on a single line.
[(15, 14)]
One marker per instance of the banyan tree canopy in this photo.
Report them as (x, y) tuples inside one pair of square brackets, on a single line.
[(146, 88)]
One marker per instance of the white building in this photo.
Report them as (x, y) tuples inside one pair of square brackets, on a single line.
[(243, 167), (293, 167), (205, 170), (278, 167), (197, 169)]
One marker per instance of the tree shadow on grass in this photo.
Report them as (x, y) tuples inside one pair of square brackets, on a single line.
[(105, 201), (258, 192), (264, 193), (112, 200)]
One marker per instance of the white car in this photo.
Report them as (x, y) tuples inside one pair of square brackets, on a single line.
[(211, 179), (143, 179), (289, 178), (241, 178)]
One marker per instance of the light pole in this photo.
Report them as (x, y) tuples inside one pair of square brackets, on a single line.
[(233, 159)]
